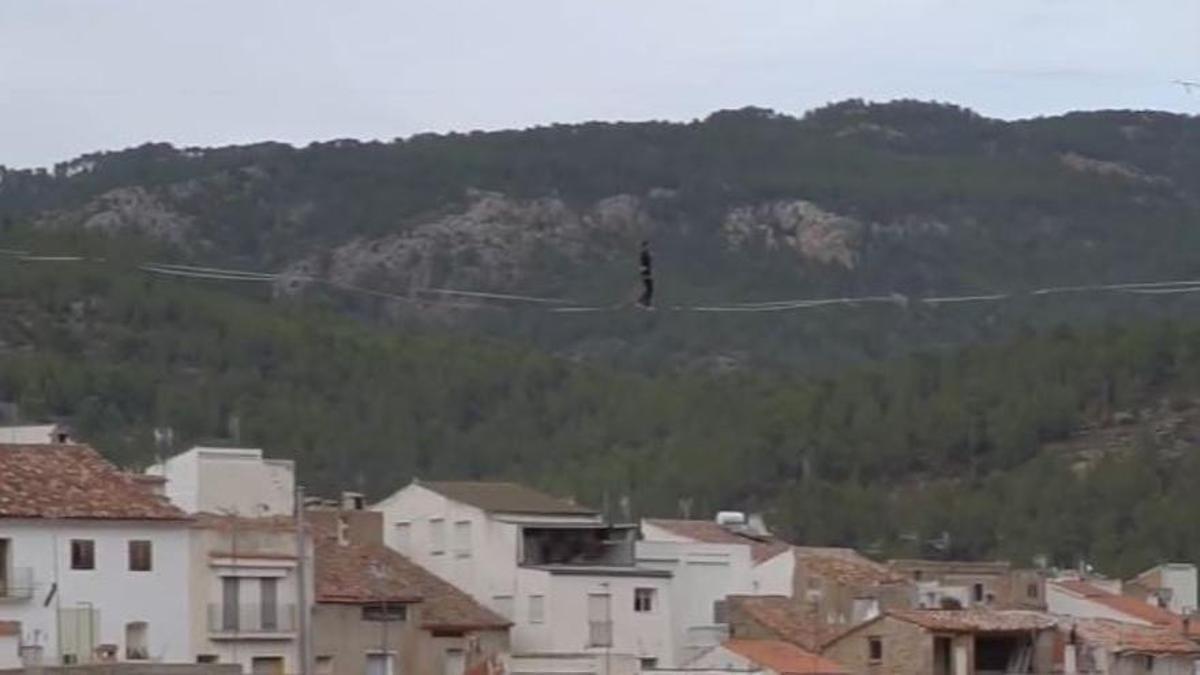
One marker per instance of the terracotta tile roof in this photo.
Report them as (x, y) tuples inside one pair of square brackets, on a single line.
[(362, 573), (10, 628), (845, 566), (73, 481), (709, 532), (1128, 638), (786, 617), (1126, 605), (976, 620), (506, 498), (784, 658)]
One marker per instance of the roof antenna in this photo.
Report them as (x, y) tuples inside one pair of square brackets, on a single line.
[(1189, 86)]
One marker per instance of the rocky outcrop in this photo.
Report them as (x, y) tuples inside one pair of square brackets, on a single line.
[(493, 243), (796, 225), (1100, 167), (134, 209)]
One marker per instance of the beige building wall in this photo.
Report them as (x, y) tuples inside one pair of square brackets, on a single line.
[(835, 603), (907, 649), (342, 641), (340, 634)]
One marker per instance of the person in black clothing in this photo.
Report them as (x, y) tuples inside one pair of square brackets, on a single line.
[(647, 298)]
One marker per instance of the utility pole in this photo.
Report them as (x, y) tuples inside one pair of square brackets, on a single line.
[(302, 589)]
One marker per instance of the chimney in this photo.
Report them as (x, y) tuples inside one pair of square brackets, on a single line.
[(353, 501)]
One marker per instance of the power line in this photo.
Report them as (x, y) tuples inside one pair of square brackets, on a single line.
[(568, 306)]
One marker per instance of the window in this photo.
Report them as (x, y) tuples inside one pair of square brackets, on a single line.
[(324, 665), (266, 665), (537, 609), (207, 658), (403, 535), (875, 649), (648, 663), (462, 539), (379, 664), (83, 554), (230, 603), (1032, 591), (136, 643), (643, 600), (977, 592), (454, 663), (4, 546), (503, 604), (917, 575), (437, 536), (140, 556), (599, 620), (720, 612), (268, 601), (385, 611)]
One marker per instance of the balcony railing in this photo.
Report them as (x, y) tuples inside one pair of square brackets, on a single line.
[(17, 584), (250, 620), (600, 634)]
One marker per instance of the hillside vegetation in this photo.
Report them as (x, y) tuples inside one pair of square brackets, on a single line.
[(743, 206), (886, 456)]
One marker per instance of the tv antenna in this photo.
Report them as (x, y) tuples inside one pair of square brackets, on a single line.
[(1189, 86)]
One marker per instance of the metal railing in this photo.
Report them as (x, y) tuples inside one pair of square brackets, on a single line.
[(17, 584), (251, 619)]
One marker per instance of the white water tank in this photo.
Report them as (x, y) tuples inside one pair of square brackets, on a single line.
[(731, 518)]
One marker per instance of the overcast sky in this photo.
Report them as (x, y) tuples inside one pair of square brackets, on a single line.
[(85, 75)]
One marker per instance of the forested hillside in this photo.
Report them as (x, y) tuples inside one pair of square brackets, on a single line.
[(743, 206), (981, 444)]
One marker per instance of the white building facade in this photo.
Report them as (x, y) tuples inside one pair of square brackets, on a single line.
[(702, 576), (567, 580), (229, 480), (93, 565), (245, 599)]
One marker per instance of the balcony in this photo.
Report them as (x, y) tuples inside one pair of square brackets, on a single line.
[(251, 622), (17, 584)]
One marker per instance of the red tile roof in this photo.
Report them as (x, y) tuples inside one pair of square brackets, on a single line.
[(845, 566), (976, 620), (786, 617), (784, 658), (1127, 638), (365, 573), (73, 481), (10, 628), (710, 532), (1131, 607)]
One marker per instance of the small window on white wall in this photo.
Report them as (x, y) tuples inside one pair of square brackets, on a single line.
[(537, 609), (503, 604), (403, 535), (462, 539), (643, 600), (437, 536)]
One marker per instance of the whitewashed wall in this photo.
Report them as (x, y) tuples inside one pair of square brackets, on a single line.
[(702, 575), (120, 596), (217, 480), (1063, 602)]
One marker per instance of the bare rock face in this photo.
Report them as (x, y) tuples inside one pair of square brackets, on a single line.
[(1100, 167), (493, 243), (126, 209), (797, 225)]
